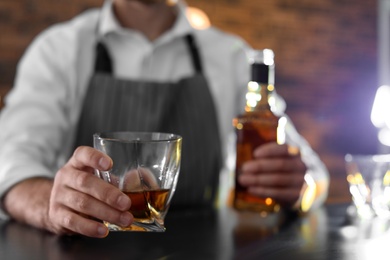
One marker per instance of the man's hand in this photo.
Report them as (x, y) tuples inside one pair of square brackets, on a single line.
[(74, 201), (78, 195), (277, 171)]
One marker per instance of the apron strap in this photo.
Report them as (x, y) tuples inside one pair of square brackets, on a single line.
[(194, 53), (103, 61)]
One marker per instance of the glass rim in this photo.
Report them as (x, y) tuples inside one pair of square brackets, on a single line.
[(137, 136)]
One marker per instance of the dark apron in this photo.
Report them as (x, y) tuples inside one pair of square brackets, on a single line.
[(185, 108)]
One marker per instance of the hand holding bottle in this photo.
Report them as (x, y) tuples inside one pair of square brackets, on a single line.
[(276, 171)]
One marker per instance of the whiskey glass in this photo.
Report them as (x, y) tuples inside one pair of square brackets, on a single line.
[(369, 184), (146, 168)]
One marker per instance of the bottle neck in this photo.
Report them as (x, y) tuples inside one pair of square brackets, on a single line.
[(257, 97), (260, 87)]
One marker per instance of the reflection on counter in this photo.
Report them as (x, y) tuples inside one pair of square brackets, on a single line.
[(331, 232)]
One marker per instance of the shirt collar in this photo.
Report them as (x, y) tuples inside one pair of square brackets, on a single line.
[(108, 23)]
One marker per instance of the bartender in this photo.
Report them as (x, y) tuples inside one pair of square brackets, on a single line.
[(132, 65)]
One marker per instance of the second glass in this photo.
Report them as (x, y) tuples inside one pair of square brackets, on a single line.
[(146, 168), (369, 183)]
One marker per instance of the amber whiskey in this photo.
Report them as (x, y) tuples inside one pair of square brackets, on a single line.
[(147, 205), (148, 208), (256, 126)]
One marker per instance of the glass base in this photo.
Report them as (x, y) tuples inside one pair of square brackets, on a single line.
[(137, 227)]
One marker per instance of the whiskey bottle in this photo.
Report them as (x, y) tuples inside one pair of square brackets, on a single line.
[(256, 126)]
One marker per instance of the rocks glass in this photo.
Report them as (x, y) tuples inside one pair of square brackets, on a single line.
[(146, 168)]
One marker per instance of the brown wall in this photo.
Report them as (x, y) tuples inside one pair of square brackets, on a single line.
[(326, 55)]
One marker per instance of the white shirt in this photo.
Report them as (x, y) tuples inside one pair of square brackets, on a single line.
[(39, 120)]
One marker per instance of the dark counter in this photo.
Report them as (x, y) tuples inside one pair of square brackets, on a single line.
[(328, 233)]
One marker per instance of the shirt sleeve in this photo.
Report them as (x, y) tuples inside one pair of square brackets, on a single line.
[(316, 186), (35, 120), (315, 190)]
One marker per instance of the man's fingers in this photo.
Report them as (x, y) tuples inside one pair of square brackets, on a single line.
[(85, 156), (89, 206), (70, 222), (86, 195), (74, 176), (275, 150), (78, 196), (274, 164), (277, 180), (94, 187)]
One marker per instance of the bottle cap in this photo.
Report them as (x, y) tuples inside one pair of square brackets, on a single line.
[(265, 56), (262, 62)]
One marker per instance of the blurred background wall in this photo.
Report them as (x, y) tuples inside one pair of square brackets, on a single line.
[(326, 61)]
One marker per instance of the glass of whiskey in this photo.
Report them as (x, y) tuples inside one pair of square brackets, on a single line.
[(146, 168), (368, 177)]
